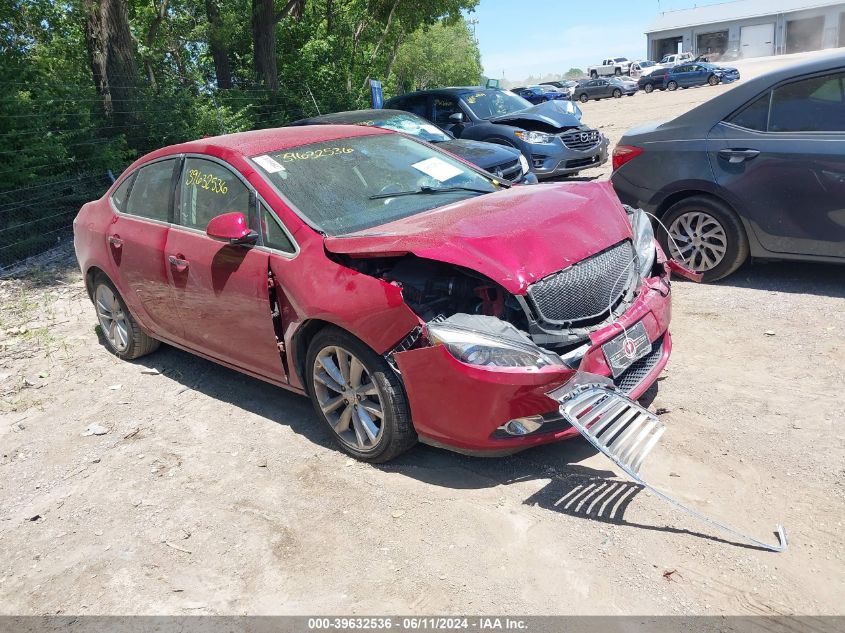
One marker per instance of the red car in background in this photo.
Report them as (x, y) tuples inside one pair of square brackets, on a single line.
[(408, 293)]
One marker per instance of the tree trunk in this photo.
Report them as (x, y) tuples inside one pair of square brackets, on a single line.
[(111, 53), (329, 17), (149, 40), (217, 44), (384, 33), (264, 43)]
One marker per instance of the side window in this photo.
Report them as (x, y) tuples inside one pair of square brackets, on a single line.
[(810, 105), (272, 233), (121, 193), (444, 107), (151, 194), (754, 116), (415, 105), (208, 190)]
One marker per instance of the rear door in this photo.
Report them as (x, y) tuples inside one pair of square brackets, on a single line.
[(221, 289), (783, 157), (136, 240)]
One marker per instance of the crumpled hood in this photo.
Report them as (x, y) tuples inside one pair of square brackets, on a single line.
[(552, 113), (514, 237), (485, 155)]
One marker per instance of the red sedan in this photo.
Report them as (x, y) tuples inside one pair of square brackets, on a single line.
[(409, 294)]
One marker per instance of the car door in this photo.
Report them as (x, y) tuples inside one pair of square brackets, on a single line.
[(783, 158), (220, 289), (444, 106), (136, 240)]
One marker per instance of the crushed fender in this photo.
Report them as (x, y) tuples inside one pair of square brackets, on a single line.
[(626, 433)]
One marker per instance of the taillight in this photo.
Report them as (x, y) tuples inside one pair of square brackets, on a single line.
[(624, 153)]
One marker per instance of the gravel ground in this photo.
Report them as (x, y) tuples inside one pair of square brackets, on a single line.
[(211, 492)]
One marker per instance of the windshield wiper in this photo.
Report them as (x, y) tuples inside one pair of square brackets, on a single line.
[(426, 190)]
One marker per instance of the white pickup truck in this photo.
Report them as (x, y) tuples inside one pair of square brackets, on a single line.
[(677, 58), (610, 66)]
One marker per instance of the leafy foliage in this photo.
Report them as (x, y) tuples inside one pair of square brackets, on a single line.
[(195, 75)]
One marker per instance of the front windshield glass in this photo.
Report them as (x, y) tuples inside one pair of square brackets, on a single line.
[(486, 104), (647, 64), (409, 124), (343, 186)]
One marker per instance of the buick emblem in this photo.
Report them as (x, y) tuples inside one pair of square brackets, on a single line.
[(629, 348)]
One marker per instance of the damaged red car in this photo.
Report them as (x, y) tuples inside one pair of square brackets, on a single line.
[(409, 294)]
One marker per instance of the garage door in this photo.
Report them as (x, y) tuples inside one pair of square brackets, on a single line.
[(757, 40)]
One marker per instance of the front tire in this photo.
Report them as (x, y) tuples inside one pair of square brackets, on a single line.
[(706, 235), (583, 98), (672, 85), (712, 80), (617, 93), (649, 88), (120, 330), (359, 397)]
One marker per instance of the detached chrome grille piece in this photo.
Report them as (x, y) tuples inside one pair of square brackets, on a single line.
[(587, 290), (581, 140), (626, 433)]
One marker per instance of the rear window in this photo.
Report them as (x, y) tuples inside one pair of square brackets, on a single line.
[(152, 192), (120, 194), (754, 116)]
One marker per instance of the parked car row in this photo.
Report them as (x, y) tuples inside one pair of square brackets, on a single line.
[(686, 75)]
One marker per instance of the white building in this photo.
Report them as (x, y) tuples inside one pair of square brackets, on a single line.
[(749, 28)]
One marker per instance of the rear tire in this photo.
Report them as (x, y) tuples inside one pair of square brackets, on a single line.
[(123, 336), (702, 223), (672, 85), (347, 400)]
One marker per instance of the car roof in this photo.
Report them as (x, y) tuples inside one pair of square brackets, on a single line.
[(257, 142), (724, 104), (456, 91), (353, 116)]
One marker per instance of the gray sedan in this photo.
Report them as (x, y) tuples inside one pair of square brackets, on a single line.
[(602, 88), (756, 171)]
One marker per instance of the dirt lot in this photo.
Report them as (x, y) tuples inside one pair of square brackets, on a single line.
[(212, 492)]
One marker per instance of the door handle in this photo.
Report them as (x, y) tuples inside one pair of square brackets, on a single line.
[(738, 155), (179, 264), (115, 241)]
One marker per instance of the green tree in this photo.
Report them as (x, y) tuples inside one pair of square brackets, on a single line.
[(575, 73), (443, 54)]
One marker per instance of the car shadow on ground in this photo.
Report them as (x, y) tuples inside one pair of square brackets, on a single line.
[(572, 488), (793, 277)]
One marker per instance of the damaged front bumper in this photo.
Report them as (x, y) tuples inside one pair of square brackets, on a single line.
[(468, 408), (548, 161)]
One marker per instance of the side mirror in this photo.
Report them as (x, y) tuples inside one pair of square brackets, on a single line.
[(232, 228), (456, 118)]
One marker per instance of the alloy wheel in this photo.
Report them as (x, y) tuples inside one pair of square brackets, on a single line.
[(649, 88), (348, 397), (112, 318), (698, 239)]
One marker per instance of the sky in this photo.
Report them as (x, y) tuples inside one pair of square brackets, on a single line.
[(535, 37)]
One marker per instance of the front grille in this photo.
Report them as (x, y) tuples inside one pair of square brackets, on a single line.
[(636, 373), (581, 140), (510, 170), (582, 162), (587, 290)]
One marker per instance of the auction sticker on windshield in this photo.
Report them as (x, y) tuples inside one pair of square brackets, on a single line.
[(437, 169), (269, 164), (627, 348)]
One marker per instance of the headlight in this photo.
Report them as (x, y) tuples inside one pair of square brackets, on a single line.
[(488, 341), (523, 162), (643, 241), (534, 137)]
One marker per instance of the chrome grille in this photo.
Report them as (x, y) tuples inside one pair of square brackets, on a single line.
[(510, 170), (586, 290), (581, 140)]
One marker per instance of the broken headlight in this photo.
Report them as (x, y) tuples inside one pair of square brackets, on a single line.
[(643, 241), (472, 340), (534, 137)]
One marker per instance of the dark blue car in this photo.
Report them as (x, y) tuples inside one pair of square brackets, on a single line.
[(540, 94), (698, 74)]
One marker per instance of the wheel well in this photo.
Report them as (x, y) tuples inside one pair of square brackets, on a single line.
[(90, 275), (301, 340), (683, 195)]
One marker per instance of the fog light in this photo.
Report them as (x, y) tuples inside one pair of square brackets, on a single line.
[(523, 426)]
